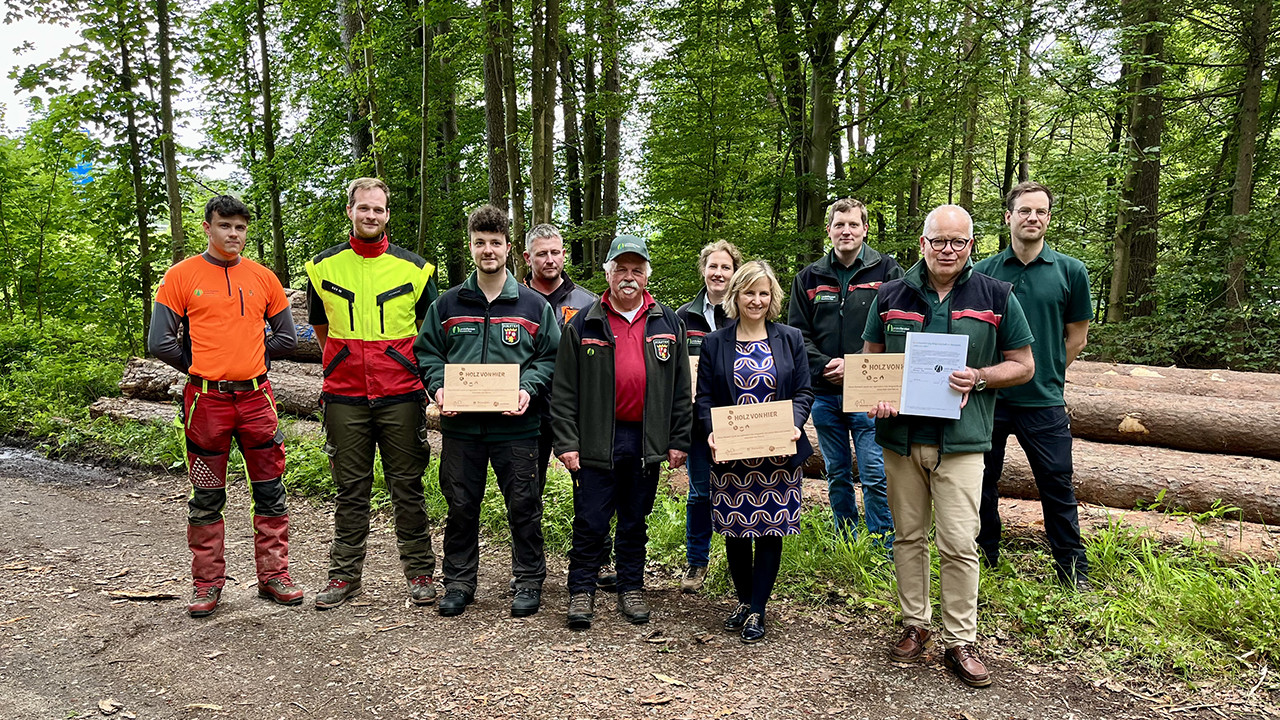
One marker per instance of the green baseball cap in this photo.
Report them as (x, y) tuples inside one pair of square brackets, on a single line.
[(624, 244)]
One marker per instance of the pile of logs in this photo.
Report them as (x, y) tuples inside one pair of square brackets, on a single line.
[(1200, 436)]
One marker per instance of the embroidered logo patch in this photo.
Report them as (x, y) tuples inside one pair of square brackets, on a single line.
[(824, 297), (662, 349), (510, 333), (568, 313), (464, 330)]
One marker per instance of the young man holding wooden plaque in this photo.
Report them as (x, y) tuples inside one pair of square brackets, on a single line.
[(486, 349), (829, 302)]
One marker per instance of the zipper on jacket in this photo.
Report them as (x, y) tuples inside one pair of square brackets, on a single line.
[(383, 298), (241, 302), (226, 272), (345, 294)]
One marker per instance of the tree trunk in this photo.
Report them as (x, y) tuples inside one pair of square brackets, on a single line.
[(972, 98), (168, 152), (1209, 424), (359, 133), (495, 121), (794, 83), (1260, 379), (515, 176), (1155, 380), (1121, 476), (279, 258), (546, 56), (593, 149), (424, 140), (822, 57), (1134, 262), (1246, 143), (612, 122), (135, 171), (572, 174)]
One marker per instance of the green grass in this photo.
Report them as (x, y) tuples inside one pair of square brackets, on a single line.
[(1160, 611)]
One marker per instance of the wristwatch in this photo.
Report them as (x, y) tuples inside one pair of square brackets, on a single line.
[(982, 382)]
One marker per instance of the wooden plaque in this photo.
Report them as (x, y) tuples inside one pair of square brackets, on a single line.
[(481, 387), (870, 379), (753, 431)]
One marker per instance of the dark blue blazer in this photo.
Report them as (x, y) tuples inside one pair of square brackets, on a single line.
[(790, 363)]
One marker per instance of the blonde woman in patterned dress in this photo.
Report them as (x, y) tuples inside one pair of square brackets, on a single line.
[(755, 503)]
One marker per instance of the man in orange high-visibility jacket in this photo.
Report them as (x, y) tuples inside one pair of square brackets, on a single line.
[(366, 300), (225, 303)]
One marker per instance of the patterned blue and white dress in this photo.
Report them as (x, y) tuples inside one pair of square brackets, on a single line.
[(754, 498)]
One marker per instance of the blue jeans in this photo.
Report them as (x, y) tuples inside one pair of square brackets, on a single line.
[(697, 526), (834, 428)]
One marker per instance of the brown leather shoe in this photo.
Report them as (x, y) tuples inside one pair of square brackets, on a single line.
[(963, 660), (912, 645), (280, 590), (204, 600)]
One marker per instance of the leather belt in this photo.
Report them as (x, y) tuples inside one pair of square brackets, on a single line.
[(228, 385)]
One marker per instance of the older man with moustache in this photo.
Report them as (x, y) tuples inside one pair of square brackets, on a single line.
[(620, 406), (934, 466)]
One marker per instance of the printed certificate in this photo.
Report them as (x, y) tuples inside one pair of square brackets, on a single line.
[(929, 361)]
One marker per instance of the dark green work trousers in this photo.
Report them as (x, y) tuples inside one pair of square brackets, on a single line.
[(400, 435)]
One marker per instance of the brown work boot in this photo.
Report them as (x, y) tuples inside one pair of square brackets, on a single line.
[(912, 645), (422, 591), (204, 600), (693, 579), (280, 590), (633, 607), (963, 660), (582, 610)]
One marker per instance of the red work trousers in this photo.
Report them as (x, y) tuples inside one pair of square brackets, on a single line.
[(212, 418)]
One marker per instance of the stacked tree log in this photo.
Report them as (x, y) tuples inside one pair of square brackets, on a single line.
[(1213, 436), (1208, 435)]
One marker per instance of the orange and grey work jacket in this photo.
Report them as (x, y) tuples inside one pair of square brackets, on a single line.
[(373, 296)]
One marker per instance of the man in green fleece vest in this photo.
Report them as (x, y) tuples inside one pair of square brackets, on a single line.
[(934, 467)]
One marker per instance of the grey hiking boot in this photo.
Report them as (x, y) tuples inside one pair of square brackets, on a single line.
[(336, 593), (421, 590), (632, 606), (582, 607)]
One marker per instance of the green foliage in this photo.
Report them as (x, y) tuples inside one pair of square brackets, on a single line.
[(48, 379)]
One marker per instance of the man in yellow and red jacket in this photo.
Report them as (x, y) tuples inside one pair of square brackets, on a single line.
[(366, 299)]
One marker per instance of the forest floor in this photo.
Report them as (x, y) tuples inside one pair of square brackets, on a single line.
[(75, 538)]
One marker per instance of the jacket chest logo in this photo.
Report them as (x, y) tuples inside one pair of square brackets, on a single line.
[(567, 313), (826, 297), (510, 333), (695, 341), (466, 329), (662, 348)]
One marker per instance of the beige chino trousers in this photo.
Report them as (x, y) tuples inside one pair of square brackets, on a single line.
[(947, 493)]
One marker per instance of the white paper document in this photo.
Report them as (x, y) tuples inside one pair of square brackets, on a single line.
[(930, 360)]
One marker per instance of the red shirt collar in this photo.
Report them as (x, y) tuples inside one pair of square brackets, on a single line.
[(646, 302), (369, 248)]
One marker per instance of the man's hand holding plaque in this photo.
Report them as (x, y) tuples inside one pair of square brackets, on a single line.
[(472, 387), (757, 430)]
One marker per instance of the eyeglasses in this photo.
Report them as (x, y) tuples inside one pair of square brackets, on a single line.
[(1026, 212), (956, 244)]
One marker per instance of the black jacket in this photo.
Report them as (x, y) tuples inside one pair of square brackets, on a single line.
[(790, 364), (695, 323), (831, 317), (583, 395)]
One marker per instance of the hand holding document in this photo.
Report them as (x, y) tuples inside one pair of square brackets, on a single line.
[(472, 387), (929, 360), (756, 430)]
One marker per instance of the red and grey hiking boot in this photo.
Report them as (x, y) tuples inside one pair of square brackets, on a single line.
[(280, 590), (204, 600), (336, 593)]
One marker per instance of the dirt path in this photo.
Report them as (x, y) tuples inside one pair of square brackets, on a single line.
[(70, 534)]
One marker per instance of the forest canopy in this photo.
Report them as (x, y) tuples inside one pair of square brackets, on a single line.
[(684, 121)]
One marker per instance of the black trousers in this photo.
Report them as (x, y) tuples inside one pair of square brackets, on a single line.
[(544, 461), (1045, 436), (463, 475), (628, 490)]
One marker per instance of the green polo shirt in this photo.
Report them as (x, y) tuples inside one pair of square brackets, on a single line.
[(1053, 290), (1013, 333)]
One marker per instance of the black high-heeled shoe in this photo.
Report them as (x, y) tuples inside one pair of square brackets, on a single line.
[(753, 629), (737, 617)]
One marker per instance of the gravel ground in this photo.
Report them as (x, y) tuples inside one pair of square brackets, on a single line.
[(72, 535)]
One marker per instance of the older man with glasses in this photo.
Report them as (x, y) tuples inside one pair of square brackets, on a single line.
[(934, 466)]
